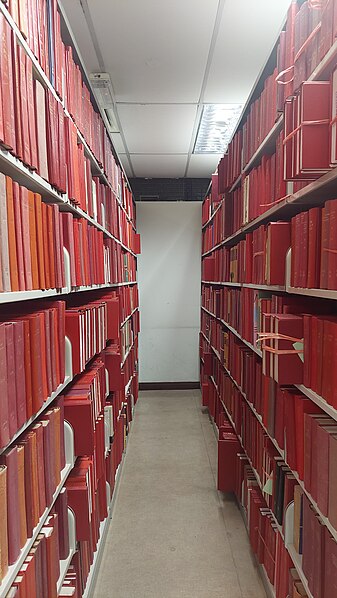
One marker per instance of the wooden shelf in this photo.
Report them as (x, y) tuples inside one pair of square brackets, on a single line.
[(11, 297)]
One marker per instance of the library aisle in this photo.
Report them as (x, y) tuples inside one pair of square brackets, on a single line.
[(172, 534)]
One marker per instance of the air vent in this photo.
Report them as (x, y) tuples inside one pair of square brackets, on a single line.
[(101, 84)]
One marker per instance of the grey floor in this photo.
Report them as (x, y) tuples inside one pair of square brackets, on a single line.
[(172, 535)]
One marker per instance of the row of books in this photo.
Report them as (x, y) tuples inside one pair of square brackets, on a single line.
[(30, 474), (276, 483), (31, 240), (308, 35), (300, 427), (235, 474), (300, 349), (33, 235), (39, 573), (32, 347), (36, 130), (39, 22), (313, 248)]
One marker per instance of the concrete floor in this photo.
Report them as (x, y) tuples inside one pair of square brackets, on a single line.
[(172, 535)]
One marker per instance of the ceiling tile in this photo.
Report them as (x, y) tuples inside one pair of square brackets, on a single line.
[(203, 165), (154, 50), (247, 34), (157, 128), (157, 166)]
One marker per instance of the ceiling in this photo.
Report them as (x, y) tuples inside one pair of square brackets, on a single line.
[(166, 59)]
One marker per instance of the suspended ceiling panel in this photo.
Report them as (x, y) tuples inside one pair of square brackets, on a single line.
[(200, 166), (155, 51), (157, 128), (165, 60), (247, 34), (159, 166)]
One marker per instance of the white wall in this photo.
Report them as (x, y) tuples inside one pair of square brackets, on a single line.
[(169, 277)]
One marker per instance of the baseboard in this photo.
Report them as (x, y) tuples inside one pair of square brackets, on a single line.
[(169, 385)]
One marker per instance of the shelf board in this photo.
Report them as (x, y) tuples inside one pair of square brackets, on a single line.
[(129, 316), (15, 568), (11, 297)]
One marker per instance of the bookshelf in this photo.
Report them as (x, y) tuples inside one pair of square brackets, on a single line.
[(70, 318), (267, 454)]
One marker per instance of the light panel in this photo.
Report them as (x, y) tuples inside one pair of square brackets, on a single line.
[(216, 128)]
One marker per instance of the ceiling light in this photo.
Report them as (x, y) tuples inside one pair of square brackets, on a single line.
[(101, 84), (216, 128)]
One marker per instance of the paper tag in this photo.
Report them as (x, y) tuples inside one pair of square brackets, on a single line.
[(268, 487), (299, 346)]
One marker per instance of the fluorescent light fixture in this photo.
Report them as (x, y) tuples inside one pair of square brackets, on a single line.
[(216, 128)]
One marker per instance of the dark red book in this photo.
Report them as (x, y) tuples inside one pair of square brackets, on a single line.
[(314, 247)]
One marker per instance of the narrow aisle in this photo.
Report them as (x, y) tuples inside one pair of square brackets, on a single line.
[(172, 535)]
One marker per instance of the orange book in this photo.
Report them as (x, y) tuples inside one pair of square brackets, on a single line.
[(46, 244), (34, 478), (51, 241), (33, 240), (28, 571), (3, 526), (21, 492), (40, 242), (13, 261), (52, 559)]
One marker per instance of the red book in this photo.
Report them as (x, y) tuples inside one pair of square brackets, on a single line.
[(332, 246), (61, 508), (21, 413), (10, 459), (16, 98), (26, 238), (330, 568), (4, 409), (288, 367), (314, 139), (228, 447), (7, 96), (24, 107), (332, 508), (325, 245), (314, 247), (11, 379), (31, 114), (39, 240), (278, 243), (5, 273), (302, 405), (41, 133)]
